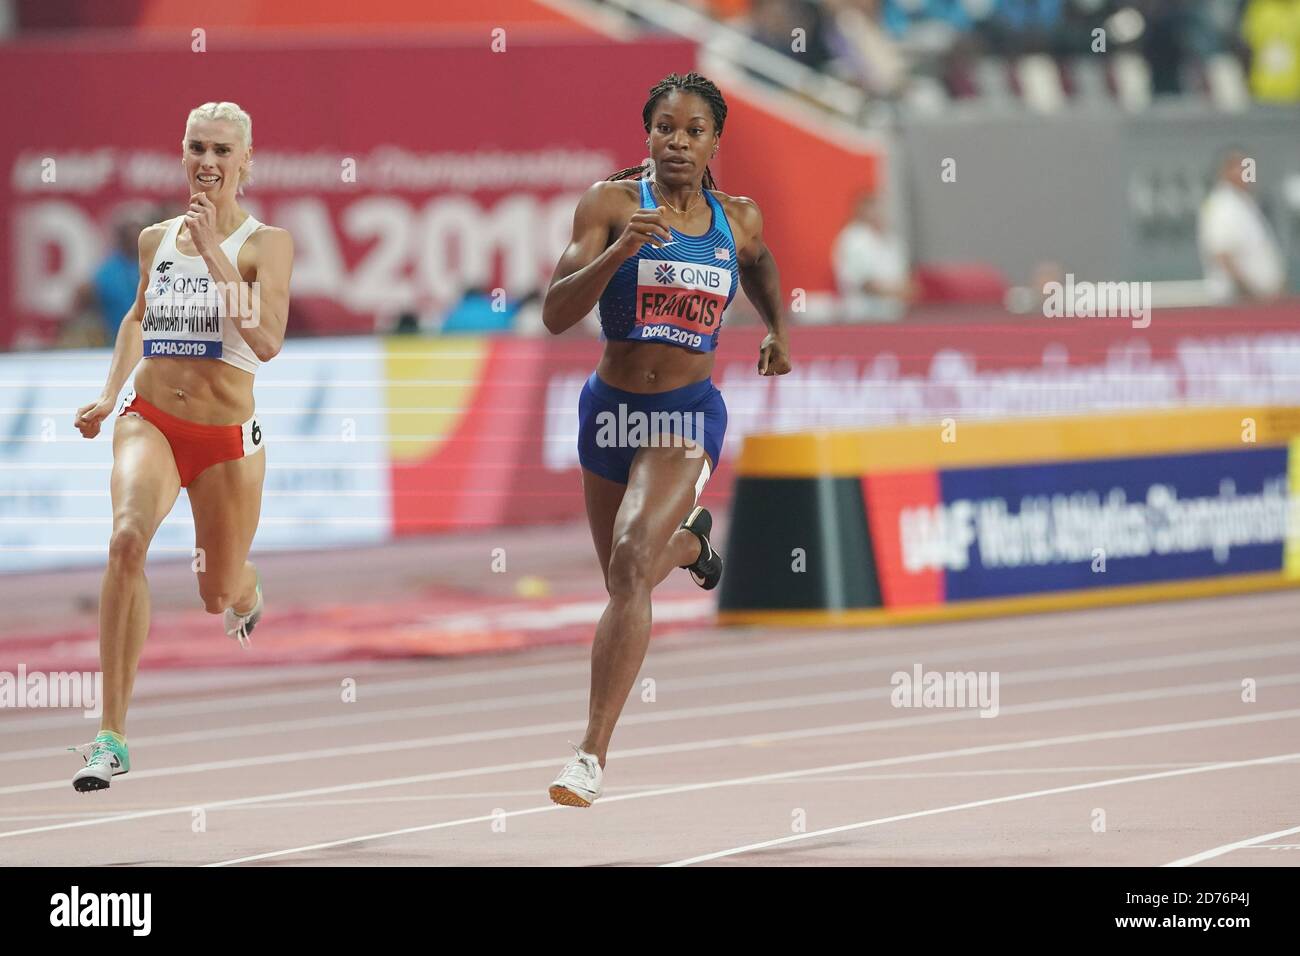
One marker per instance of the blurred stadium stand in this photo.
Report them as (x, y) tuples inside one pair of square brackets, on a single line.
[(1040, 53), (1084, 133)]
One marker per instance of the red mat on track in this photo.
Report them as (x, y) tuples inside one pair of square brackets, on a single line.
[(433, 623)]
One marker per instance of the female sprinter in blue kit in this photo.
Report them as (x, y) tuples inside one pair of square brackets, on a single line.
[(661, 250)]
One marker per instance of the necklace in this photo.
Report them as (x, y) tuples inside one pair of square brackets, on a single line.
[(680, 212)]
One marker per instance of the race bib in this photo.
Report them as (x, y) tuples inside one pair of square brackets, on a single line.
[(679, 301), (182, 318)]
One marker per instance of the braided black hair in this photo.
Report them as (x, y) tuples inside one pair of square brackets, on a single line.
[(690, 83)]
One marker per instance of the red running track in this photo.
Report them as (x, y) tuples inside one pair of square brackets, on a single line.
[(1122, 736)]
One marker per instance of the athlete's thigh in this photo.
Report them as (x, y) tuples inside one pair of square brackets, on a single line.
[(660, 492), (603, 498), (226, 500), (144, 482)]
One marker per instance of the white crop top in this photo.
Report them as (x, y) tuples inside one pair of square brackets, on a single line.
[(184, 316)]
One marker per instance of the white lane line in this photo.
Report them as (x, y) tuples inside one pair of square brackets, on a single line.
[(856, 778), (992, 801), (1045, 675), (688, 713), (1150, 730), (1229, 847), (1163, 693), (532, 791), (162, 685), (1169, 627), (726, 678), (484, 736), (1274, 846), (659, 655), (708, 681), (360, 801), (1051, 704), (1002, 772), (361, 719)]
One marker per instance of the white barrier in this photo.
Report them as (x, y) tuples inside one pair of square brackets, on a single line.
[(322, 407)]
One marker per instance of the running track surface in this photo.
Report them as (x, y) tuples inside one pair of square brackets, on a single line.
[(1122, 736)]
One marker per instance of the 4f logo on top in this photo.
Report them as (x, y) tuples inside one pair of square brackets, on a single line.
[(164, 280)]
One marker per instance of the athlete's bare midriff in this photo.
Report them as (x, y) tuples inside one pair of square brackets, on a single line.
[(204, 391), (649, 367), (652, 366)]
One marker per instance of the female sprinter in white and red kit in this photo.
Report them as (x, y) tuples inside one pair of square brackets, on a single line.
[(211, 306), (660, 250)]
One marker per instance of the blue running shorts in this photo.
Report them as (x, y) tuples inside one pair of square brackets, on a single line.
[(613, 424)]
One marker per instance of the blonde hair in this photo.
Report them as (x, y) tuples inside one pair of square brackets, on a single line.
[(231, 113)]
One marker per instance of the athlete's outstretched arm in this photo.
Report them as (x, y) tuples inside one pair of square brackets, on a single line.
[(762, 284), (262, 307), (587, 265)]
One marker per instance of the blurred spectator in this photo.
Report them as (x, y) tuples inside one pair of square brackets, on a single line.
[(903, 17), (1164, 42), (1213, 28), (1025, 26), (1272, 30), (101, 303), (869, 57), (477, 312), (938, 38), (482, 313), (773, 22), (1078, 21), (871, 267), (1239, 252), (882, 46)]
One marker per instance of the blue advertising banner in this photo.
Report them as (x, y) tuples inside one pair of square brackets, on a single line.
[(1026, 529)]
